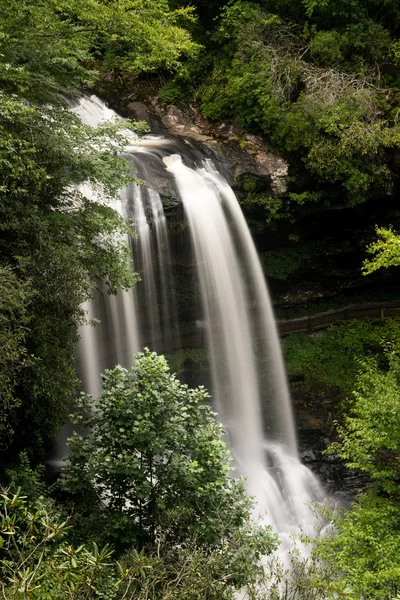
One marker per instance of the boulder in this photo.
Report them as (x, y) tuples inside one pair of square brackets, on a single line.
[(139, 112)]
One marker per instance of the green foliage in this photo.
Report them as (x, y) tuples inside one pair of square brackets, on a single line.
[(158, 477), (47, 46), (385, 251), (281, 263), (57, 243), (315, 78), (59, 238), (364, 549), (357, 558), (153, 466), (331, 359), (370, 436), (36, 561), (271, 208), (194, 358), (14, 319), (366, 544)]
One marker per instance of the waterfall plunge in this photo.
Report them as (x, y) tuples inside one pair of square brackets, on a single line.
[(249, 388), (223, 247)]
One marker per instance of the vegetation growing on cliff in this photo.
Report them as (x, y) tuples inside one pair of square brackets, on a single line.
[(366, 545), (358, 363), (319, 79), (330, 361), (385, 251)]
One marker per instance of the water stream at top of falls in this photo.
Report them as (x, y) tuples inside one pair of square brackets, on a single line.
[(248, 384)]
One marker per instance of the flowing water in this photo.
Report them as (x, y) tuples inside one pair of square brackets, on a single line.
[(248, 381)]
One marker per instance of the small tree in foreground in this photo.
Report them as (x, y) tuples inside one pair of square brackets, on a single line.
[(154, 472)]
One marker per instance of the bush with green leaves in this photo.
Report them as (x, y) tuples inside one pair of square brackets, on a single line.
[(36, 561), (39, 562), (331, 359), (366, 544), (281, 263), (385, 251), (357, 557), (151, 509), (154, 466)]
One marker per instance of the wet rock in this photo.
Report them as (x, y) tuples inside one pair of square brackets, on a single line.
[(247, 158), (139, 112), (188, 124), (308, 455)]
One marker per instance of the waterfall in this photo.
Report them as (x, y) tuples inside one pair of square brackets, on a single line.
[(280, 415), (168, 301), (118, 336), (144, 263), (263, 444), (249, 386)]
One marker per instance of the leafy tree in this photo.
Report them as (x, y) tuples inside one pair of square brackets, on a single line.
[(385, 251), (366, 544), (14, 300), (55, 241), (157, 484), (370, 436), (59, 238), (153, 467), (357, 558), (47, 46)]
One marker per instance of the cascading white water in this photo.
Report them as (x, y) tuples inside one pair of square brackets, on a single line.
[(168, 303), (280, 415), (266, 456), (145, 254), (117, 338), (89, 350), (227, 324), (95, 350), (249, 388)]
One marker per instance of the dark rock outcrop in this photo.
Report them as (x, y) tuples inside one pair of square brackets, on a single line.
[(249, 163)]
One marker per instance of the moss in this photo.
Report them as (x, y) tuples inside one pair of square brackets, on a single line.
[(281, 263), (188, 358), (249, 184), (330, 360)]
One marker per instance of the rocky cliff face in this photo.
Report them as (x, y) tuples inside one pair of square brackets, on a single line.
[(312, 261), (245, 157)]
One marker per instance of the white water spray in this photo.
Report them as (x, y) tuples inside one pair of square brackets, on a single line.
[(266, 455)]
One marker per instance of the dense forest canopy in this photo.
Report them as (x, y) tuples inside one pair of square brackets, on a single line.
[(319, 81)]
